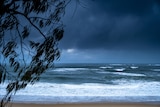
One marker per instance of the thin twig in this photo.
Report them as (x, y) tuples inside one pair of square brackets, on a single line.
[(21, 45), (16, 12)]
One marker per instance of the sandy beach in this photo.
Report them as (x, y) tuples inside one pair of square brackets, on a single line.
[(87, 105)]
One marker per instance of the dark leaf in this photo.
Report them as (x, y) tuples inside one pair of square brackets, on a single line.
[(10, 87), (34, 19), (16, 66), (9, 49), (48, 22), (1, 79), (11, 60), (20, 72), (25, 32), (33, 44), (27, 76), (2, 74), (58, 33), (4, 77), (41, 24)]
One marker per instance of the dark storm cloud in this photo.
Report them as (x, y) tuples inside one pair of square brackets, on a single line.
[(132, 7), (114, 24)]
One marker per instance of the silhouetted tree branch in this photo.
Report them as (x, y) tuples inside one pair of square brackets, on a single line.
[(16, 12), (18, 21)]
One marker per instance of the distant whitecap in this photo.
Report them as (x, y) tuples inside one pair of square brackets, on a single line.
[(128, 74), (106, 67), (133, 67), (116, 64), (68, 69), (119, 69)]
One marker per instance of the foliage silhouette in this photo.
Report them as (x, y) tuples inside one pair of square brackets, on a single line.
[(29, 35)]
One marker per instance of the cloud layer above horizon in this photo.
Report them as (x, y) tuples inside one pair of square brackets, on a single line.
[(114, 28)]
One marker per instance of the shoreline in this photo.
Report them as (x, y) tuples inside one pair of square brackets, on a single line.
[(85, 100), (99, 102), (108, 104)]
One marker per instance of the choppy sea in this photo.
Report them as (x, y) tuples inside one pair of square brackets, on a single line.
[(79, 83)]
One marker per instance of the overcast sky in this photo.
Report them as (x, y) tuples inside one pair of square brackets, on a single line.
[(112, 31)]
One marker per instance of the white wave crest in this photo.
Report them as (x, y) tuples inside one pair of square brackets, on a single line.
[(124, 88), (128, 74), (133, 67), (120, 69), (69, 69), (106, 67)]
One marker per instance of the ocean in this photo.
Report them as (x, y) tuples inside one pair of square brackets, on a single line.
[(80, 83)]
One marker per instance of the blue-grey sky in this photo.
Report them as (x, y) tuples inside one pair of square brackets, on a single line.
[(111, 31)]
